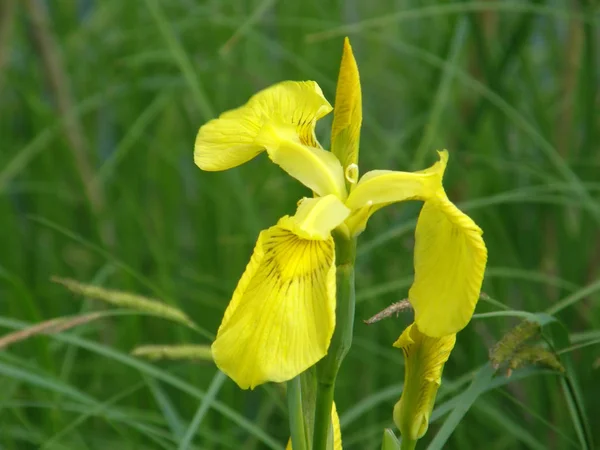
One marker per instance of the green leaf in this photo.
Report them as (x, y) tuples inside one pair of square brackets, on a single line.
[(390, 442), (464, 402)]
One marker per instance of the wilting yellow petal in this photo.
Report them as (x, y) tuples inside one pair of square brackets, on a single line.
[(347, 114), (229, 141), (450, 258), (282, 314), (316, 217), (314, 167), (337, 434), (425, 358)]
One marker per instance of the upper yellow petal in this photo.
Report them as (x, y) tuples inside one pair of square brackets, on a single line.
[(450, 258), (229, 141), (282, 314), (388, 186), (314, 167), (379, 188), (424, 362), (316, 217), (336, 443), (347, 114)]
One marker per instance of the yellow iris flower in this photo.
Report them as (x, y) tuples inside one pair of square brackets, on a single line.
[(282, 315)]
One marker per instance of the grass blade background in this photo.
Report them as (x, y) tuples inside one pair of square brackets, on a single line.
[(509, 88)]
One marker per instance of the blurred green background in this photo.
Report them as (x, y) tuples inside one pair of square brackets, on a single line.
[(100, 103)]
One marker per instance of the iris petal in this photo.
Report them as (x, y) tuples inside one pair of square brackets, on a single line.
[(282, 314), (316, 217), (379, 188), (387, 186), (230, 140), (450, 258), (314, 167)]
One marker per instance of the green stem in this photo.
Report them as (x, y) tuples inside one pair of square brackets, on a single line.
[(323, 406), (407, 444), (328, 367), (297, 430)]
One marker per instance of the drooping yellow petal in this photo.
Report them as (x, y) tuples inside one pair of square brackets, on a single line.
[(314, 167), (347, 114), (230, 140), (316, 217), (424, 362), (282, 314), (336, 443), (450, 258)]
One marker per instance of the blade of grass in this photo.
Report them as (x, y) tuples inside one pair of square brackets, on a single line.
[(442, 96), (442, 10), (156, 373), (478, 386), (205, 405), (166, 407)]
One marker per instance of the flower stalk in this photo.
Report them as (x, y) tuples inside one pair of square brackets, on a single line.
[(328, 367), (296, 415), (408, 444)]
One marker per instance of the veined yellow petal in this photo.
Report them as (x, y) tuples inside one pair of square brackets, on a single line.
[(297, 103), (347, 114), (424, 362), (229, 141), (314, 167), (450, 258), (336, 443), (282, 314), (388, 186), (316, 217)]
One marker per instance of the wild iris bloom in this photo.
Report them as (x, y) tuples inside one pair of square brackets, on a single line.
[(282, 315)]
